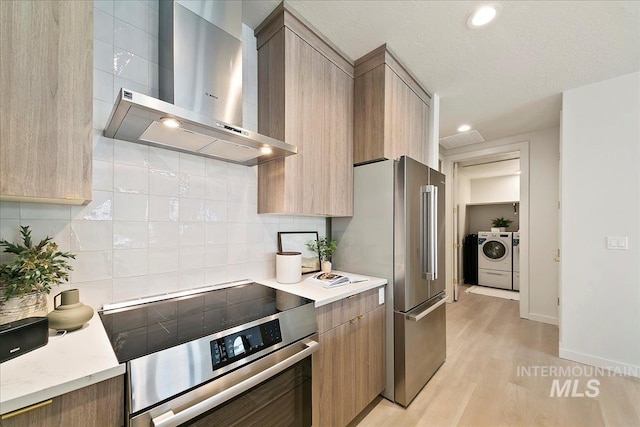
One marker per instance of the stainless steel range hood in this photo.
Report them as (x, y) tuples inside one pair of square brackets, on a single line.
[(200, 75)]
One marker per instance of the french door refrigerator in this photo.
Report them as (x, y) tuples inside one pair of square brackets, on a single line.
[(397, 232)]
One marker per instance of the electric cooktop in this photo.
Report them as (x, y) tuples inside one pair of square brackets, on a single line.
[(145, 328)]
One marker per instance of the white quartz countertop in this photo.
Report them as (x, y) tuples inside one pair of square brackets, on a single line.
[(67, 363), (322, 295)]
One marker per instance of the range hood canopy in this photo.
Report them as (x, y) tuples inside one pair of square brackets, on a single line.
[(139, 118), (200, 69)]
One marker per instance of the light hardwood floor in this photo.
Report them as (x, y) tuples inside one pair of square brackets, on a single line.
[(482, 383)]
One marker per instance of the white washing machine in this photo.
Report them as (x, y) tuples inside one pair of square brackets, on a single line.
[(516, 261), (495, 259)]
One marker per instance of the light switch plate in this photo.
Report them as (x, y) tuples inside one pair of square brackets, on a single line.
[(380, 296), (617, 243)]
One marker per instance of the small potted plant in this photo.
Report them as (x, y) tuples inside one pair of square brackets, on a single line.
[(26, 280), (324, 248), (500, 224)]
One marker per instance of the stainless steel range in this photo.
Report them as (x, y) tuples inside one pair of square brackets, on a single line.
[(225, 355)]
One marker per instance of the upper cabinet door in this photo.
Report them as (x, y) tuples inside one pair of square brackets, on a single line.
[(305, 96), (46, 111), (392, 110)]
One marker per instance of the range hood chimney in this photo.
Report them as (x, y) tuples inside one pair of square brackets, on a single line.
[(200, 105)]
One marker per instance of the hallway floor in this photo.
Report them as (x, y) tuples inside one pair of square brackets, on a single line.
[(500, 372)]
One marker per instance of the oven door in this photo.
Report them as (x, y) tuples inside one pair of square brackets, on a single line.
[(272, 391)]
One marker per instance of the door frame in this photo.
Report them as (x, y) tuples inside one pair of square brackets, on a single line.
[(447, 166)]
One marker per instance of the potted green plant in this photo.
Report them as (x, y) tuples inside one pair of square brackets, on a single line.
[(324, 248), (500, 224), (26, 280)]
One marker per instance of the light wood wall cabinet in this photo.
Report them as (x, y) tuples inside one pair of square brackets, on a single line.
[(46, 81), (100, 404), (348, 369), (391, 110), (305, 97)]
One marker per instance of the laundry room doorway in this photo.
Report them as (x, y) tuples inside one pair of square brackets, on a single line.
[(500, 177)]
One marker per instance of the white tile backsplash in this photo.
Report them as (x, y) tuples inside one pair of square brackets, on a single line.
[(102, 175), (159, 220), (38, 211), (102, 147), (103, 85), (102, 56), (91, 235), (163, 283), (135, 12), (130, 287), (130, 234), (102, 25), (9, 210), (130, 207), (163, 208), (130, 153), (163, 234), (92, 266), (192, 186), (191, 233), (99, 209), (130, 179), (130, 66), (130, 262), (192, 210), (104, 5), (101, 113), (130, 38), (163, 183), (163, 260), (191, 164), (164, 160)]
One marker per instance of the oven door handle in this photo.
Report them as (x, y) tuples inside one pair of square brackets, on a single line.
[(171, 419)]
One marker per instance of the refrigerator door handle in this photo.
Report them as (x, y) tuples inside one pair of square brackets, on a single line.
[(423, 314), (428, 227)]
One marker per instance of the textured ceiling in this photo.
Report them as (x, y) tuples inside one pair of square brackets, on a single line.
[(504, 79)]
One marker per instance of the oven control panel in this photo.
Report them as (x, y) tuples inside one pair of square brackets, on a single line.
[(241, 344)]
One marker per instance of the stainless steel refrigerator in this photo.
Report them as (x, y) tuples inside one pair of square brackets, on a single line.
[(397, 232)]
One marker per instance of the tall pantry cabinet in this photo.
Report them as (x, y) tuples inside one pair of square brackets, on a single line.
[(46, 81), (305, 97)]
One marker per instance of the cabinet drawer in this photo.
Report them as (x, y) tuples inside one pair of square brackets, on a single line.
[(335, 314)]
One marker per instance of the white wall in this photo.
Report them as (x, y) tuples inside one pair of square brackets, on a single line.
[(495, 189), (160, 220), (600, 293), (543, 235)]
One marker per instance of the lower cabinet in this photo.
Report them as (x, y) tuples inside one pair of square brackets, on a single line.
[(100, 404), (348, 369)]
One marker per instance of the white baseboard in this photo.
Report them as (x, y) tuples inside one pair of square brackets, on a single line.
[(618, 367), (544, 319)]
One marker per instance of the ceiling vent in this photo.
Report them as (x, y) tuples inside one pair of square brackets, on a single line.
[(461, 139)]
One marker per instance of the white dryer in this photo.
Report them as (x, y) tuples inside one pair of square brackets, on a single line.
[(495, 259), (516, 261)]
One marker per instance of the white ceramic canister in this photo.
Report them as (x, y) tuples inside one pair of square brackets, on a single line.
[(288, 267)]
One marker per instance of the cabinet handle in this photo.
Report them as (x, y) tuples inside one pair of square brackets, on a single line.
[(352, 296), (360, 317), (27, 409), (354, 320)]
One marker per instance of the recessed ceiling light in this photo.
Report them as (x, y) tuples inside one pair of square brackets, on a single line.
[(464, 128), (170, 122), (483, 15)]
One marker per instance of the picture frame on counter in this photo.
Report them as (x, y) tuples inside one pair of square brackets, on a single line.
[(296, 241)]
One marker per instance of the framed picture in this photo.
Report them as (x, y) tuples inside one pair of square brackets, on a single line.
[(296, 241)]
